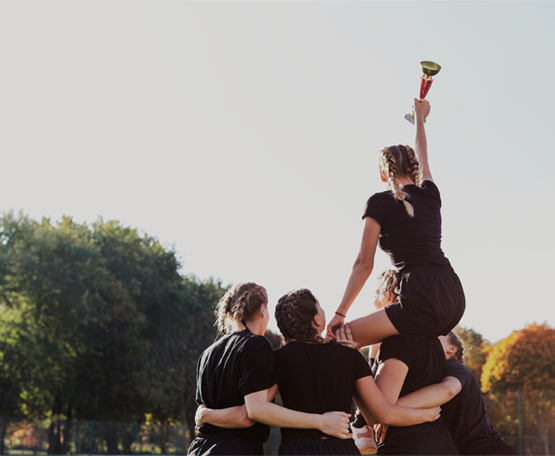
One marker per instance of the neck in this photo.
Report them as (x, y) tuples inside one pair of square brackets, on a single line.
[(405, 180), (256, 326)]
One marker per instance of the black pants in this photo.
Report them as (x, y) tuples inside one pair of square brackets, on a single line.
[(307, 446), (225, 443), (491, 447), (427, 439)]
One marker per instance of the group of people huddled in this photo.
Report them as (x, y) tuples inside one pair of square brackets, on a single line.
[(414, 396)]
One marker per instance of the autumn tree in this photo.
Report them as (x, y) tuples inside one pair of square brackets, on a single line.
[(525, 361), (476, 349)]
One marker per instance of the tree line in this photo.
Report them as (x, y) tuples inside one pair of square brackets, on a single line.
[(97, 323)]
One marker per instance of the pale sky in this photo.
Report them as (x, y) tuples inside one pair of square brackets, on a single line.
[(245, 134)]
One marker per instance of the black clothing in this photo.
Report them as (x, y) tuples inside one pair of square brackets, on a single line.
[(492, 447), (431, 298), (465, 415), (425, 360), (231, 368), (409, 241), (317, 378), (225, 443), (303, 446), (431, 302)]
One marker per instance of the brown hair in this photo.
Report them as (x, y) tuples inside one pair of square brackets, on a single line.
[(240, 303), (294, 314), (400, 161), (453, 338), (388, 281)]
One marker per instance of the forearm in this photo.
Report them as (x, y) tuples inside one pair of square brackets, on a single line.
[(274, 415), (421, 148), (359, 276), (366, 413), (404, 416), (432, 395), (228, 418)]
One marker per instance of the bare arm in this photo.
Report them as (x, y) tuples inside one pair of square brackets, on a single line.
[(421, 110), (432, 395), (361, 271), (334, 424), (228, 418)]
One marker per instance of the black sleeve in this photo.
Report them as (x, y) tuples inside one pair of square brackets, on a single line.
[(257, 366), (363, 369), (431, 187), (375, 208), (400, 348), (457, 370)]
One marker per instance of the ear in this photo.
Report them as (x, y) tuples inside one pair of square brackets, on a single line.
[(391, 297), (382, 176), (451, 351), (317, 321)]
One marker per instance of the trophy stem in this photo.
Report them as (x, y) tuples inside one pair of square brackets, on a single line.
[(425, 84)]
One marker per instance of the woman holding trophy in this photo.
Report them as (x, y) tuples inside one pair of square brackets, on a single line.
[(406, 221)]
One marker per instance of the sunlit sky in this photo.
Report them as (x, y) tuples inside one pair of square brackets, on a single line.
[(244, 134)]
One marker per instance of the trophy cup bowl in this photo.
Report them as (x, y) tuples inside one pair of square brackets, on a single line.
[(429, 69)]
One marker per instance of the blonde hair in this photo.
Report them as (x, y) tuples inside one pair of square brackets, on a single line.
[(388, 281), (239, 304), (400, 161)]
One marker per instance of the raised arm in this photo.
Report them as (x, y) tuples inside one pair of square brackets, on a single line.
[(335, 424), (432, 395), (361, 271), (421, 111)]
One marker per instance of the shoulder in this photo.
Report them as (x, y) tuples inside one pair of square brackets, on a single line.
[(430, 187), (460, 372), (380, 198)]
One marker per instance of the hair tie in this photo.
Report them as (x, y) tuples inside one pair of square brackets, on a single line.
[(244, 323)]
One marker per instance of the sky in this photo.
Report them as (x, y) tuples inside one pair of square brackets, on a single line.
[(245, 134)]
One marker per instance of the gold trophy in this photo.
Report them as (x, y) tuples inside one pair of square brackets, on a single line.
[(429, 69)]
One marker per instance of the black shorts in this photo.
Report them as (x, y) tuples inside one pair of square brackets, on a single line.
[(431, 302), (225, 443), (426, 439), (491, 447), (308, 446)]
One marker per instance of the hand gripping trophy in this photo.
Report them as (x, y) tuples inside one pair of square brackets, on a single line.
[(429, 69)]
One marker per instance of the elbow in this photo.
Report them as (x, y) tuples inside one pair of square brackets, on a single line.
[(449, 392), (254, 413), (246, 422), (364, 264), (387, 416)]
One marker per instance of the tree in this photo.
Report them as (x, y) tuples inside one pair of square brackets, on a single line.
[(525, 361), (476, 349)]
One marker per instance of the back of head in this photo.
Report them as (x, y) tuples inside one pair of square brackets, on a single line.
[(453, 338), (240, 302), (388, 281), (400, 161), (294, 314)]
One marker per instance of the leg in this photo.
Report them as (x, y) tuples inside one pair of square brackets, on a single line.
[(372, 328)]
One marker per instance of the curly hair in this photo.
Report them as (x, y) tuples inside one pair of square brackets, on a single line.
[(388, 282), (240, 303), (294, 314), (453, 338), (400, 161)]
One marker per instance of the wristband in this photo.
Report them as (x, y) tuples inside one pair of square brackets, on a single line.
[(341, 315)]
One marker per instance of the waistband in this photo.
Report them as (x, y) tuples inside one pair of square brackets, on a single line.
[(315, 441), (445, 268), (220, 435)]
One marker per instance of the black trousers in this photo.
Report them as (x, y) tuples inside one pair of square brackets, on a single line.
[(225, 443), (307, 446), (491, 447)]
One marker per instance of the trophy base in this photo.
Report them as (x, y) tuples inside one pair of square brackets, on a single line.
[(410, 118)]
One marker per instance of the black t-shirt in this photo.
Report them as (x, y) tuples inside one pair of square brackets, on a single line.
[(465, 414), (409, 241), (317, 378), (426, 362), (231, 368)]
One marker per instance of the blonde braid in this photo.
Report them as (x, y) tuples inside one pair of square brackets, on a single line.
[(389, 167), (415, 171)]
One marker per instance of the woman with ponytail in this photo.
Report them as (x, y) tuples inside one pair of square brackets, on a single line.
[(463, 408), (237, 371), (315, 375), (406, 221)]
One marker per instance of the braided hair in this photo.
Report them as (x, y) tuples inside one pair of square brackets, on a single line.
[(294, 314), (240, 303), (388, 282), (458, 356), (400, 161)]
